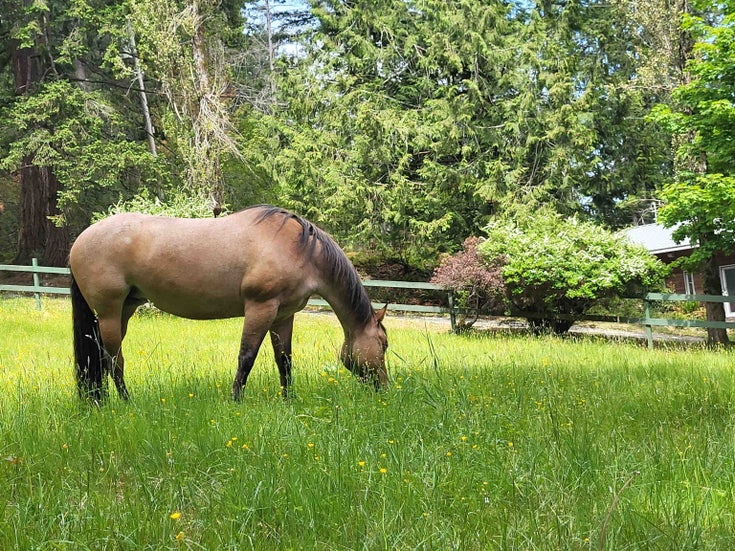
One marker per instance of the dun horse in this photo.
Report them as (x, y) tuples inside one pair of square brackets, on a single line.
[(262, 262)]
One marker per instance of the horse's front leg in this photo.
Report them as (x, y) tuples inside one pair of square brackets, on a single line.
[(258, 318), (281, 333)]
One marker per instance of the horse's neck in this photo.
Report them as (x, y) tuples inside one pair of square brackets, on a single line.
[(339, 284), (339, 299)]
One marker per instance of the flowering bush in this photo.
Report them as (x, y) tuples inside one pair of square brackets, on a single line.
[(478, 285), (556, 268)]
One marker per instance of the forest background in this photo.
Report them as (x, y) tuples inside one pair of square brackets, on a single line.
[(400, 126)]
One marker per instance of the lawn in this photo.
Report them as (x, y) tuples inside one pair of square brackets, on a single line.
[(482, 442)]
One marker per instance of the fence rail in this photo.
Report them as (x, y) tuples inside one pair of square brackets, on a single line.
[(37, 290), (647, 321)]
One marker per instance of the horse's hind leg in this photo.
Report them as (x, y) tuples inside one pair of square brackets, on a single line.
[(281, 339), (113, 326), (111, 333)]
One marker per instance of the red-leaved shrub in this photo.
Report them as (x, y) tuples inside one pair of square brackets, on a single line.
[(478, 286)]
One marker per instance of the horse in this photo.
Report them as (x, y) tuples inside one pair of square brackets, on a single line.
[(262, 263)]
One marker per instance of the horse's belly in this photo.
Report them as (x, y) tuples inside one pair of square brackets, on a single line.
[(196, 305), (199, 313)]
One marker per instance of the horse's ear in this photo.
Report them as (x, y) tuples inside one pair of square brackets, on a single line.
[(380, 314)]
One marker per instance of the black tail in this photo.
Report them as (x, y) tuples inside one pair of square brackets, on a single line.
[(87, 347)]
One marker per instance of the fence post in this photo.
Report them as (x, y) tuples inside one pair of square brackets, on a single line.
[(36, 282), (646, 318)]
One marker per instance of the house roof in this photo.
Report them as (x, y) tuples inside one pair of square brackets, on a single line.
[(656, 239)]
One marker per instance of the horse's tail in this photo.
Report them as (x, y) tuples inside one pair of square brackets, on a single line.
[(87, 346)]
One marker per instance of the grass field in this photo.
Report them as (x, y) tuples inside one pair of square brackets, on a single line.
[(482, 442)]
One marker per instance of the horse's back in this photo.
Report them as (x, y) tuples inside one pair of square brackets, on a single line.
[(200, 268)]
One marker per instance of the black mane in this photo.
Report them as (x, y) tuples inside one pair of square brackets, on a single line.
[(339, 267)]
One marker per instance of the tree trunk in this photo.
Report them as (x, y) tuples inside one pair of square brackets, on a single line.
[(37, 235), (58, 239), (31, 234), (715, 310)]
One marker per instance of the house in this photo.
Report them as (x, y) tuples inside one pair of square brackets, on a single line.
[(659, 242)]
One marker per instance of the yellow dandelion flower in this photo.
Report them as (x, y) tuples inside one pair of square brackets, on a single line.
[(180, 536), (176, 515), (361, 463), (383, 470), (449, 454), (463, 438), (310, 445)]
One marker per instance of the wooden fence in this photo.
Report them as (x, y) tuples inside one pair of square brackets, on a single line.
[(650, 322), (647, 321), (37, 289)]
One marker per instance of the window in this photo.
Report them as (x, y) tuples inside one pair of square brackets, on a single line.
[(727, 277), (689, 284)]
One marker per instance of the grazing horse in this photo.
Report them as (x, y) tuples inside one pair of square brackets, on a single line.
[(262, 262)]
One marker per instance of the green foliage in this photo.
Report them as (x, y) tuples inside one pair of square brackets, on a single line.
[(401, 126), (81, 113), (701, 202), (89, 144), (407, 125), (553, 265), (703, 209), (178, 204), (381, 138)]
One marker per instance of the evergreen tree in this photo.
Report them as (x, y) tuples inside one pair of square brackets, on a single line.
[(407, 125)]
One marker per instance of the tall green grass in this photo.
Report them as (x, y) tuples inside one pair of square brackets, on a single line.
[(482, 442)]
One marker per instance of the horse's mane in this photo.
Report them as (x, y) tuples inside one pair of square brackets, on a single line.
[(339, 267)]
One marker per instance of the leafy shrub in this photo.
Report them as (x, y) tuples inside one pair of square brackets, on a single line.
[(177, 204), (478, 285), (556, 269)]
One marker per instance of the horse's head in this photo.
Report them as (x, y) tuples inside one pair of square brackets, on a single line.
[(364, 352)]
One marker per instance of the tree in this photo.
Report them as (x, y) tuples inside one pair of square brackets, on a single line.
[(701, 200), (558, 268), (92, 79), (387, 125), (478, 286), (578, 119), (70, 134), (181, 45), (37, 236), (406, 126)]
